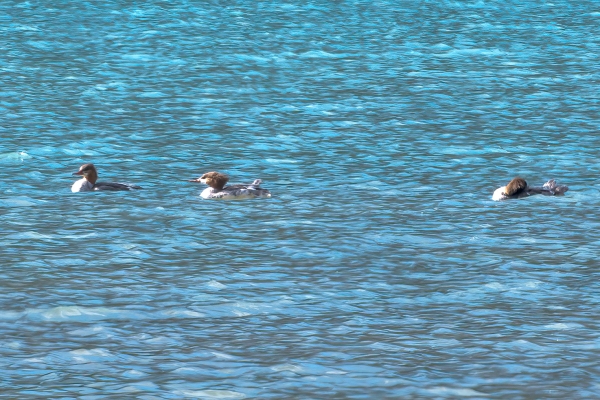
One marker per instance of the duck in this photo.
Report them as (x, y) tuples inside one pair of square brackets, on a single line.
[(518, 188), (89, 181), (217, 189)]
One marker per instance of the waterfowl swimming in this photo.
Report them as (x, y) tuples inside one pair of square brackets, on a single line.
[(518, 188), (89, 181), (217, 189)]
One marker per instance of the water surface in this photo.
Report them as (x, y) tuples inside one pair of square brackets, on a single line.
[(380, 269)]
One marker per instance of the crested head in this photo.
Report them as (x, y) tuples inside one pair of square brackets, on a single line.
[(515, 187), (215, 180), (89, 172)]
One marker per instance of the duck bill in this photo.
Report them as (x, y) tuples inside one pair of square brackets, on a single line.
[(78, 173), (195, 180)]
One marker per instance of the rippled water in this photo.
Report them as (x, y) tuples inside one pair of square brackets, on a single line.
[(380, 269)]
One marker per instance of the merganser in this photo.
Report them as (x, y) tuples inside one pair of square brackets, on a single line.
[(90, 176), (518, 188), (217, 190)]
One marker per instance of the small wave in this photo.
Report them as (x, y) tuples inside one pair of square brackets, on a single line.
[(14, 157), (212, 394), (91, 314), (472, 52), (321, 54)]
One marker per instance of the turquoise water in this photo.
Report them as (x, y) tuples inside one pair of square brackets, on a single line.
[(379, 269)]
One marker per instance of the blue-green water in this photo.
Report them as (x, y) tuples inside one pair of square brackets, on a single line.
[(380, 269)]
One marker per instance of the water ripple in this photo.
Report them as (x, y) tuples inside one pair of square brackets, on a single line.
[(381, 268)]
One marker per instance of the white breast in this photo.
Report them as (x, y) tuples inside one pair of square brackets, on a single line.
[(82, 186), (499, 194), (206, 193)]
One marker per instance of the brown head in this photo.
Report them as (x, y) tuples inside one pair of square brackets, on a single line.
[(515, 187), (89, 173), (215, 180)]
